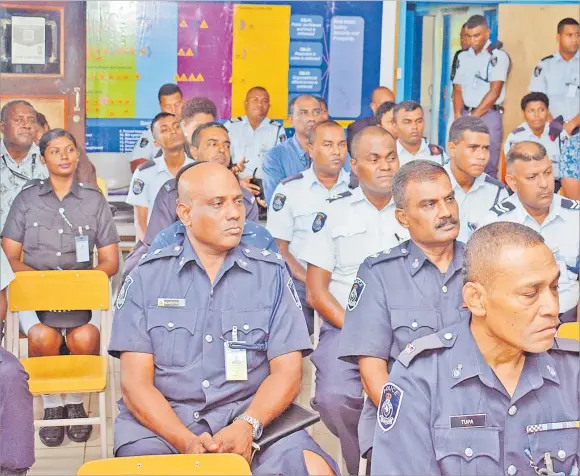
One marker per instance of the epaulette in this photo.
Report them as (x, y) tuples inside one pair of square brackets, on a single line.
[(517, 130), (570, 204), (435, 149), (32, 183), (494, 181), (170, 185), (334, 198), (388, 254), (429, 342), (158, 154), (146, 165), (293, 177), (88, 186), (503, 207), (168, 252), (566, 345), (263, 255), (275, 123), (236, 119), (496, 45), (547, 58)]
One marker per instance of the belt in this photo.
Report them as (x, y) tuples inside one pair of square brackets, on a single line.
[(495, 107)]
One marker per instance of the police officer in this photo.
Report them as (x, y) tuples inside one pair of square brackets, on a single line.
[(291, 157), (479, 84), (411, 144), (150, 176), (54, 224), (215, 358), (385, 118), (360, 222), (300, 202), (537, 128), (464, 43), (195, 112), (475, 191), (170, 101), (16, 412), (495, 393), (406, 292), (534, 204), (558, 76), (253, 135)]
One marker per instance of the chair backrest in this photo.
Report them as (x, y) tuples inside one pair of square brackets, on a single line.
[(102, 184), (569, 330), (206, 464)]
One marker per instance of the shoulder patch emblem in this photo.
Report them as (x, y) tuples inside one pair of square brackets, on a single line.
[(123, 292), (279, 201), (502, 208), (319, 222), (389, 406), (435, 149), (537, 71), (294, 293), (570, 204), (493, 61), (282, 137), (144, 142), (355, 293), (138, 186), (333, 198)]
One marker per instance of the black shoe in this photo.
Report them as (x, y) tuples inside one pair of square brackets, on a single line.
[(78, 433), (52, 435)]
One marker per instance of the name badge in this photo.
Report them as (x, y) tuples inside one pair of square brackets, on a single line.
[(477, 420), (82, 248), (170, 302), (236, 360)]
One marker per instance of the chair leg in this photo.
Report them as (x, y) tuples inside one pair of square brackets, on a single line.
[(112, 389), (103, 423), (362, 466)]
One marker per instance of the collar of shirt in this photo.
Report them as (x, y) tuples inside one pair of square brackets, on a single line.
[(477, 183), (358, 196), (293, 142), (45, 188), (555, 210), (530, 133), (312, 180), (33, 151), (161, 165), (416, 255), (558, 57), (402, 151), (247, 124), (471, 51)]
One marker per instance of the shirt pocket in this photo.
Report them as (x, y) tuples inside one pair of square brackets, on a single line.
[(410, 324), (253, 328), (351, 246), (172, 336), (468, 450), (561, 444), (38, 234)]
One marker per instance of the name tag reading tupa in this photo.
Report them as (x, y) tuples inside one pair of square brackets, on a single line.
[(170, 302), (478, 420)]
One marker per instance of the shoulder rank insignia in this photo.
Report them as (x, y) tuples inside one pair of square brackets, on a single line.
[(146, 165), (144, 142), (334, 198), (496, 45), (279, 201), (570, 204), (566, 345), (319, 222), (429, 342), (32, 183), (435, 149), (503, 207), (264, 255), (293, 177), (386, 255), (547, 57), (389, 406), (355, 293), (138, 186), (517, 130), (494, 181), (169, 185)]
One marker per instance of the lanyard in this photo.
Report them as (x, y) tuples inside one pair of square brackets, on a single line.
[(18, 174)]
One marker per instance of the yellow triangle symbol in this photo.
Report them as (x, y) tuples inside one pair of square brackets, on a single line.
[(192, 77), (181, 52), (189, 52), (203, 24), (199, 77), (183, 77), (176, 77), (183, 24)]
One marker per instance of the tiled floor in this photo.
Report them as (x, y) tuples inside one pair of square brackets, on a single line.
[(69, 457)]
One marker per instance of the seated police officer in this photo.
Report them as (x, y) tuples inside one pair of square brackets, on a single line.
[(495, 393), (408, 291), (530, 175), (56, 223), (207, 362)]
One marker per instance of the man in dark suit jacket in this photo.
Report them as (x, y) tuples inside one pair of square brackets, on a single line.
[(380, 95)]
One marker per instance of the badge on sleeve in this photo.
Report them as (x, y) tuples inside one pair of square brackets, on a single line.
[(294, 293), (144, 142), (282, 137), (279, 201), (389, 406), (138, 186), (319, 222), (355, 293), (494, 60), (537, 71), (123, 292)]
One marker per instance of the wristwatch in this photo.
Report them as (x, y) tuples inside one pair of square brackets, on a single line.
[(257, 428)]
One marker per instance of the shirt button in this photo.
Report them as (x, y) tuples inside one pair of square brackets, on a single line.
[(170, 325), (35, 224), (246, 327), (468, 452), (444, 289), (61, 231), (81, 184), (205, 384), (208, 339), (512, 410), (87, 227), (404, 250), (448, 336), (561, 454), (58, 253), (414, 325), (512, 470), (196, 415)]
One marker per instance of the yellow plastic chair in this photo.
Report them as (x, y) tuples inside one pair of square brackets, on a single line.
[(206, 464), (569, 330), (65, 290), (102, 186)]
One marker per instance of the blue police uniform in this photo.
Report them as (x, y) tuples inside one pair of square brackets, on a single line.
[(186, 343), (445, 412), (398, 296)]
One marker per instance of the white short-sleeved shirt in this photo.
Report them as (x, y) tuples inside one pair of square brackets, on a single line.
[(145, 147), (476, 72), (427, 152), (560, 81), (354, 230), (553, 147), (147, 180), (560, 232), (253, 144), (301, 208), (6, 273), (474, 205)]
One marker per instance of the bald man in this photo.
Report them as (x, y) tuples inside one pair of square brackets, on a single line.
[(184, 390), (379, 96)]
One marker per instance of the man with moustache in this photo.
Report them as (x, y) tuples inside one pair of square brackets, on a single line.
[(299, 205), (530, 175), (495, 393), (406, 292), (360, 222)]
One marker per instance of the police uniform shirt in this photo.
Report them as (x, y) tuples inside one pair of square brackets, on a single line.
[(353, 230), (475, 73), (560, 81), (145, 147), (47, 227), (147, 180), (445, 412), (485, 192), (14, 175), (6, 273), (253, 144), (553, 146), (159, 312), (560, 233), (427, 152), (299, 208)]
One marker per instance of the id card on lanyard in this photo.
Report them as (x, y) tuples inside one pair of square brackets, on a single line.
[(81, 241)]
